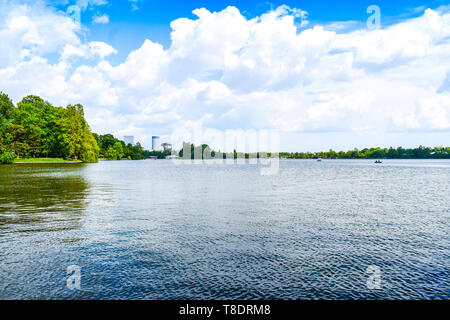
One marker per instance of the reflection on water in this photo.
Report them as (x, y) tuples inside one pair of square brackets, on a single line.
[(40, 205), (40, 198), (156, 230)]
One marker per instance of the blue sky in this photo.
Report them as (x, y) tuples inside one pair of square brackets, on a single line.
[(313, 70), (129, 27)]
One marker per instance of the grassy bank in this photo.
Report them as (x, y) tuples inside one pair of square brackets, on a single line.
[(45, 160)]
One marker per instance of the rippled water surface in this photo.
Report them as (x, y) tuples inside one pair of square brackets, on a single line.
[(157, 230)]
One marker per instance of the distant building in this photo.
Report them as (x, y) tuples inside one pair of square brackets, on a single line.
[(167, 147), (156, 145), (128, 140)]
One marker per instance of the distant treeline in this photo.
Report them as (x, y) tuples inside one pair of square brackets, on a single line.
[(35, 128), (112, 148), (375, 153), (204, 152)]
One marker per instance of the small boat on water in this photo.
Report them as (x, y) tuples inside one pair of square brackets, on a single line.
[(319, 159), (378, 161)]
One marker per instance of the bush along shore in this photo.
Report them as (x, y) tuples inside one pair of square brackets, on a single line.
[(7, 158)]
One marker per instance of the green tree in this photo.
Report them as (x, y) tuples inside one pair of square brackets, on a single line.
[(7, 158), (6, 107), (115, 152)]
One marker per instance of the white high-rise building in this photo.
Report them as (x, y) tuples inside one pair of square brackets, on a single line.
[(156, 145), (128, 139)]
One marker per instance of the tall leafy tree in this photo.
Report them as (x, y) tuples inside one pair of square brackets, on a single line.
[(35, 128)]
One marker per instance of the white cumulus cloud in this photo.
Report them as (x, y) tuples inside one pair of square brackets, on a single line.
[(229, 72), (101, 19)]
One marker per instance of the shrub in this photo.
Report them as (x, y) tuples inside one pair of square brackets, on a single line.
[(7, 158)]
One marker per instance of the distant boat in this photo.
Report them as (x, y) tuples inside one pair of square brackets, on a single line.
[(378, 161), (319, 159)]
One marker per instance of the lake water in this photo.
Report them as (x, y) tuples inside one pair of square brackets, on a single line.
[(337, 229)]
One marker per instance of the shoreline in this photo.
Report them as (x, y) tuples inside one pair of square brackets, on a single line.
[(45, 161), (66, 162)]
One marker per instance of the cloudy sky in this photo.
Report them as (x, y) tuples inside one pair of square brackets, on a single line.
[(311, 69)]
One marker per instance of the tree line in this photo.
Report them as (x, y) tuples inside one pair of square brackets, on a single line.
[(375, 153), (204, 152), (112, 148)]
